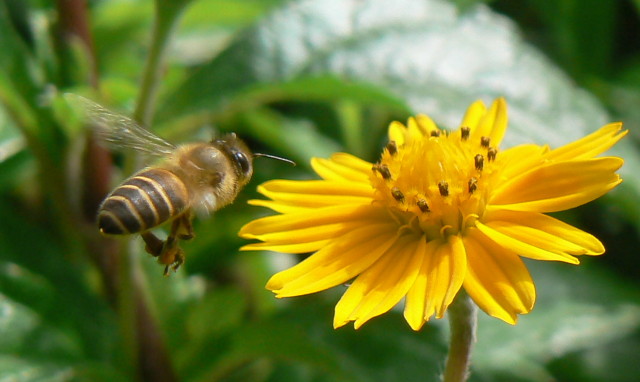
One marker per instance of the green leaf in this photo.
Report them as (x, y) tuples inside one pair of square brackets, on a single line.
[(425, 53)]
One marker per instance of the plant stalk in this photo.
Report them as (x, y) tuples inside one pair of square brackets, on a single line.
[(462, 322)]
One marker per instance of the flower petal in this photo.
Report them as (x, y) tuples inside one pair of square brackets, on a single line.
[(493, 123), (439, 280), (342, 166), (383, 285), (497, 279), (416, 300), (303, 247), (473, 114), (519, 159), (563, 236), (312, 236), (317, 193), (593, 144), (445, 273), (320, 217), (502, 236), (426, 124), (341, 260), (397, 133), (558, 186)]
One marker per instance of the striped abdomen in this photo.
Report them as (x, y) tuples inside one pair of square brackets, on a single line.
[(143, 201)]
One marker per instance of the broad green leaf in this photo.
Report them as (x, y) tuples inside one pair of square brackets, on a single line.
[(424, 52)]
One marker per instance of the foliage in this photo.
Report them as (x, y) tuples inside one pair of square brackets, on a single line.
[(298, 79)]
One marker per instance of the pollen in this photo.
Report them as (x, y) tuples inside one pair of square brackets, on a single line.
[(437, 180)]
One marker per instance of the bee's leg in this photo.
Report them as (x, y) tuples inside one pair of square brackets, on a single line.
[(172, 255), (185, 228), (153, 244)]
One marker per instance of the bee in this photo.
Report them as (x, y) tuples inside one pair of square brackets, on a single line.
[(204, 176)]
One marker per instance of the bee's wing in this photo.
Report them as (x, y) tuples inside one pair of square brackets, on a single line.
[(118, 131)]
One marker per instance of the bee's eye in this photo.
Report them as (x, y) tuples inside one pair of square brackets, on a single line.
[(243, 161)]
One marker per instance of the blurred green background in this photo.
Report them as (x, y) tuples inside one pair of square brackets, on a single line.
[(296, 79)]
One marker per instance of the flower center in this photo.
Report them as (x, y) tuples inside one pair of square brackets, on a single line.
[(435, 183)]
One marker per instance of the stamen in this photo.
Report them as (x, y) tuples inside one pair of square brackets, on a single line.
[(473, 185), (464, 132), (435, 133), (422, 204), (383, 169), (397, 194), (491, 154), (392, 148), (485, 141), (479, 160), (443, 187)]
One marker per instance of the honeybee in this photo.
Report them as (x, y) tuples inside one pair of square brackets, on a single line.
[(203, 176)]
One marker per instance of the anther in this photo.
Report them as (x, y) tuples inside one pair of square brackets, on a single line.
[(392, 148), (443, 187), (422, 204), (491, 154), (464, 132), (397, 194), (384, 171), (473, 185), (485, 141), (479, 160), (435, 133)]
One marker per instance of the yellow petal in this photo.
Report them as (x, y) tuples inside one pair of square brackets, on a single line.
[(519, 159), (439, 280), (320, 217), (316, 193), (341, 260), (397, 133), (426, 124), (496, 279), (282, 189), (564, 236), (416, 302), (381, 286), (473, 115), (283, 208), (307, 234), (414, 130), (493, 123), (305, 247), (445, 273), (593, 144), (501, 236), (342, 166), (558, 186)]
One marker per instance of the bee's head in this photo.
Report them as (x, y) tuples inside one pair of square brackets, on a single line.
[(239, 155)]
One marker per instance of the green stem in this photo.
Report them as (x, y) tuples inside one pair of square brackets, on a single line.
[(166, 18), (462, 322), (138, 322)]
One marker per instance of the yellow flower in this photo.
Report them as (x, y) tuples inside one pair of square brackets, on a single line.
[(439, 211)]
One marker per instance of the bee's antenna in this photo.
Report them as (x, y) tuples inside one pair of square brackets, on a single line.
[(274, 157)]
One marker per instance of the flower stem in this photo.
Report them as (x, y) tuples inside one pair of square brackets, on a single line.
[(462, 322)]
